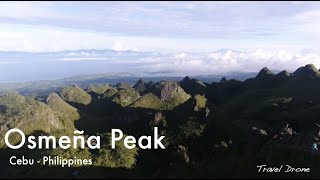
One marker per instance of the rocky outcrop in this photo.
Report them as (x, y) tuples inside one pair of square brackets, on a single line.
[(158, 117), (260, 132), (165, 90), (287, 130)]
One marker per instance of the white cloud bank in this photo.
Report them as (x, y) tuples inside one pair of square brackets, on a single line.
[(226, 61), (188, 63), (83, 59)]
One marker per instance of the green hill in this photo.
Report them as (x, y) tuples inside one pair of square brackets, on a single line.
[(109, 93), (65, 112), (170, 92), (140, 86), (98, 89), (308, 71), (74, 94), (12, 99), (123, 86), (265, 72), (29, 115), (148, 101), (125, 97)]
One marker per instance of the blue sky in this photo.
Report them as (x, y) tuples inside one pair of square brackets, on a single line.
[(188, 35)]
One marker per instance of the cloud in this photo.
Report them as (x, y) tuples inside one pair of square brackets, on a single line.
[(112, 60), (9, 62), (224, 61), (160, 19), (27, 45), (84, 59), (228, 61), (158, 26), (81, 54), (119, 46), (216, 62), (180, 55)]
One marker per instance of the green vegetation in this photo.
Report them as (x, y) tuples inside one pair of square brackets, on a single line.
[(109, 93), (125, 97), (140, 86), (29, 116), (171, 93), (182, 152), (65, 112), (99, 89), (200, 102), (308, 71), (75, 94), (177, 99), (11, 100), (264, 73), (223, 129), (149, 101), (192, 128), (124, 86), (192, 86), (121, 157)]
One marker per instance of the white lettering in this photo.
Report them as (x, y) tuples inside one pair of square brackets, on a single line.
[(64, 140), (131, 140), (6, 138), (114, 139)]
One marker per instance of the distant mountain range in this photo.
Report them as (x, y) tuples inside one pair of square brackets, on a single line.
[(44, 87)]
